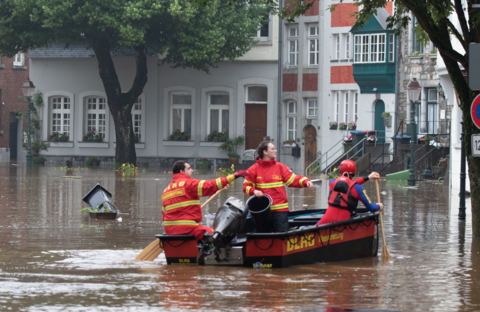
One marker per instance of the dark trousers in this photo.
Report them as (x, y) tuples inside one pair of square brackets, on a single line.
[(280, 221)]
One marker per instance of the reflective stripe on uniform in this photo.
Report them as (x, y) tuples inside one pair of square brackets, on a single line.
[(180, 222), (302, 180), (174, 193), (181, 204), (290, 180), (219, 183), (248, 189), (279, 206), (200, 187), (270, 185)]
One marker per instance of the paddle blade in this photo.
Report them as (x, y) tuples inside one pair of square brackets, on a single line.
[(150, 252)]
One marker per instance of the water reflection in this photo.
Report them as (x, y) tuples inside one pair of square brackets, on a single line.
[(55, 258)]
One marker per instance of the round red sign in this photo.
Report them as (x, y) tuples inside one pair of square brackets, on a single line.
[(475, 111)]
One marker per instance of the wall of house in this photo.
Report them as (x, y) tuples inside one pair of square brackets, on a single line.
[(76, 78)]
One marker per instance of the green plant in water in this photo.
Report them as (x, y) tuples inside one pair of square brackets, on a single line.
[(127, 170), (226, 171)]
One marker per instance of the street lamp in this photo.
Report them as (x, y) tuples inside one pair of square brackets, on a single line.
[(414, 90), (27, 89)]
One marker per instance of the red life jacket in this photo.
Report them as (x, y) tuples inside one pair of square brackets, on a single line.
[(341, 194)]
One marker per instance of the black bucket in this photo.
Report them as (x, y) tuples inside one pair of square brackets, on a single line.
[(259, 207)]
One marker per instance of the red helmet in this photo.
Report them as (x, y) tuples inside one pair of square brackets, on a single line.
[(348, 166)]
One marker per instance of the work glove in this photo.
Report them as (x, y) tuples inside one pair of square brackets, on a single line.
[(240, 173)]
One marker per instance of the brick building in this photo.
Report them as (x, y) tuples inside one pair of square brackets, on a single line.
[(13, 72)]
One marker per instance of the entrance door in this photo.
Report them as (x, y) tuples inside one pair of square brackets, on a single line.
[(379, 121), (255, 124), (13, 145), (310, 134)]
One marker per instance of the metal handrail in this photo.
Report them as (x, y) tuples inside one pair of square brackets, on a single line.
[(346, 154), (317, 163)]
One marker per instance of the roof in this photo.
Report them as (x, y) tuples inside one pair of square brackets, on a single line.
[(59, 50)]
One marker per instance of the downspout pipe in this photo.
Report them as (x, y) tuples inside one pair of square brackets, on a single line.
[(280, 76)]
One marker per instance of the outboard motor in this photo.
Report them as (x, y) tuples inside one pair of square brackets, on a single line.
[(228, 221)]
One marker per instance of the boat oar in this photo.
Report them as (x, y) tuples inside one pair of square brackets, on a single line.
[(153, 249), (385, 252)]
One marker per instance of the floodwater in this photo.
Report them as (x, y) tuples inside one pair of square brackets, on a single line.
[(53, 257)]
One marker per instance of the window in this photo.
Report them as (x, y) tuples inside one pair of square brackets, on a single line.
[(218, 105), (391, 48), (417, 44), (96, 119), (336, 104), (181, 114), (346, 44), (336, 45), (311, 108), (291, 120), (60, 118), (19, 59), (137, 120), (263, 31), (346, 102), (432, 107), (355, 106), (292, 44), (369, 48), (313, 48), (257, 94)]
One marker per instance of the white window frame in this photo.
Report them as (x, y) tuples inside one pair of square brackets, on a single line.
[(292, 45), (432, 110), (138, 116), (291, 128), (336, 104), (311, 107), (221, 108), (259, 35), (247, 89), (65, 124), (355, 106), (183, 108), (336, 47), (19, 59), (347, 44), (370, 48), (98, 100), (346, 103), (313, 44), (391, 48)]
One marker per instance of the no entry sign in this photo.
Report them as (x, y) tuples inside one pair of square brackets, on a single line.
[(475, 111)]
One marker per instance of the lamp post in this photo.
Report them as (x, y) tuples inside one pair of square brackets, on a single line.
[(27, 89), (414, 90)]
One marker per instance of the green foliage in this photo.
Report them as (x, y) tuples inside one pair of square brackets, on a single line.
[(335, 173), (216, 136), (178, 135), (93, 136), (226, 171), (58, 137), (231, 146), (92, 162), (127, 170)]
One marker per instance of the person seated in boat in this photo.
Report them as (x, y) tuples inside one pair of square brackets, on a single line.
[(267, 176), (182, 212), (345, 192)]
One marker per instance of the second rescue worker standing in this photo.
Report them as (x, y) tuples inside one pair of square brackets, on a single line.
[(269, 177)]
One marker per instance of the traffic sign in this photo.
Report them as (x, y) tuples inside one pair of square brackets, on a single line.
[(475, 111)]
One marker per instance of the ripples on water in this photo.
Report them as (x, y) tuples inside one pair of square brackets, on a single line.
[(54, 258)]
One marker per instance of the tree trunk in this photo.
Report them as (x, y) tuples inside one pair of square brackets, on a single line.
[(121, 103)]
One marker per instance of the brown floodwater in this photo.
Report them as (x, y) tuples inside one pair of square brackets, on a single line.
[(53, 257)]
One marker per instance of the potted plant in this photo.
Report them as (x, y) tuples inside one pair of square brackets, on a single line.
[(231, 147), (93, 136), (216, 136), (333, 125), (387, 118), (58, 137), (178, 135), (342, 126)]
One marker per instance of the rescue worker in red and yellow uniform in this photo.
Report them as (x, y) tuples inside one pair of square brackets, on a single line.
[(269, 177), (182, 212), (345, 192)]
